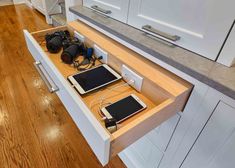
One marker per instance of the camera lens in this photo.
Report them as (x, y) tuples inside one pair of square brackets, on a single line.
[(70, 53)]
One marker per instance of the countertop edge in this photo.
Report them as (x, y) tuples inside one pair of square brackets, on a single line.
[(200, 77)]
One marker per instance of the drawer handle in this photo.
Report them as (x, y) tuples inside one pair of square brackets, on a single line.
[(163, 34), (45, 77), (101, 9)]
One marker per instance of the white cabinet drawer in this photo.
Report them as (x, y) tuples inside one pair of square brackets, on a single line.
[(117, 9), (98, 139), (168, 93), (191, 24)]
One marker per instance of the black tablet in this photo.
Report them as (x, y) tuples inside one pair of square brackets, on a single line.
[(94, 78)]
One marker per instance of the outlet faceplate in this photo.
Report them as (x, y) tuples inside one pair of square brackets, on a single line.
[(79, 36), (128, 75), (99, 52)]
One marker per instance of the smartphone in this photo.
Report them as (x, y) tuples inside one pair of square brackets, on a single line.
[(124, 108)]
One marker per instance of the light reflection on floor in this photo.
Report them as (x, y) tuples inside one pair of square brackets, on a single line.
[(52, 133), (3, 117)]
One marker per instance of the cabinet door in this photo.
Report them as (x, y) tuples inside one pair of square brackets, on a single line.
[(215, 146), (117, 9), (197, 25)]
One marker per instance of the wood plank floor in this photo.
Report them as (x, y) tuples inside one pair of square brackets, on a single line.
[(35, 129)]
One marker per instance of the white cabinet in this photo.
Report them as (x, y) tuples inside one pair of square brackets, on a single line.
[(227, 56), (197, 25), (148, 151), (215, 147), (47, 8), (116, 9), (147, 155), (161, 135), (39, 5), (69, 3), (203, 133)]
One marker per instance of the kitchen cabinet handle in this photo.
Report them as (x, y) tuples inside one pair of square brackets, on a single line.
[(158, 32), (45, 77), (101, 9)]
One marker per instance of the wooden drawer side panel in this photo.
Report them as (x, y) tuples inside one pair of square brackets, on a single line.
[(141, 126)]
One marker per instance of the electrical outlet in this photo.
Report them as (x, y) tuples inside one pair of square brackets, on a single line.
[(128, 75), (79, 36), (99, 52)]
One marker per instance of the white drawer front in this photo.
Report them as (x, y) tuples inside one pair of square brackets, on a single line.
[(161, 135), (148, 151), (95, 135), (117, 9), (145, 153), (191, 24)]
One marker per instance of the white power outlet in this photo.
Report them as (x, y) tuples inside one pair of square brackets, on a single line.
[(128, 75), (99, 52), (79, 36)]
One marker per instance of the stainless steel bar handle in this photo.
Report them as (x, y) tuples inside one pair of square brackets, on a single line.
[(158, 32), (45, 77), (101, 9)]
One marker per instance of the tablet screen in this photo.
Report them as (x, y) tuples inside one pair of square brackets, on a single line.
[(94, 78)]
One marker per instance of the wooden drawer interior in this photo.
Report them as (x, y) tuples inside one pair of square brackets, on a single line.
[(163, 92)]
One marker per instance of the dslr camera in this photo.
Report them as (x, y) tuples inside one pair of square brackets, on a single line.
[(54, 41), (71, 49)]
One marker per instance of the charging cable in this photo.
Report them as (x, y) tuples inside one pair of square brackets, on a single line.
[(103, 97)]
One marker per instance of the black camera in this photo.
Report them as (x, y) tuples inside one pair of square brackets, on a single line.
[(54, 42), (71, 49)]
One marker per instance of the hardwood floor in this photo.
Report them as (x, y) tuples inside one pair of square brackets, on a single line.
[(35, 129)]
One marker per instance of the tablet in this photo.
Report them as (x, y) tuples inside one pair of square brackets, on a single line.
[(94, 78), (124, 108)]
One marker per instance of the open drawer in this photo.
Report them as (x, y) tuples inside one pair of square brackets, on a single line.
[(163, 92)]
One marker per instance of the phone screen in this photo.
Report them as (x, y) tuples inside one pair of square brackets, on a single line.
[(124, 108)]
